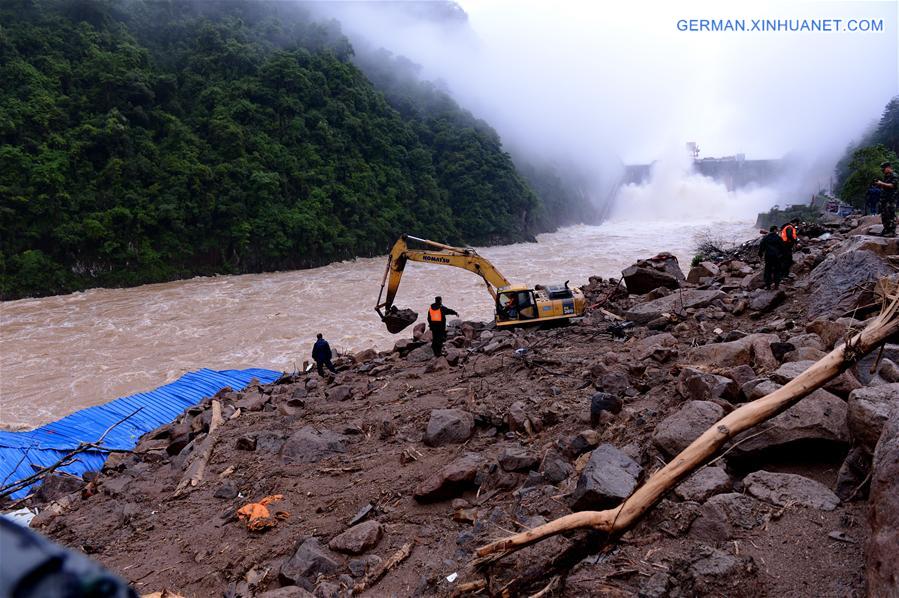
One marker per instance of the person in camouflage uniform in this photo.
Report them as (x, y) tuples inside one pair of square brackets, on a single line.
[(888, 185)]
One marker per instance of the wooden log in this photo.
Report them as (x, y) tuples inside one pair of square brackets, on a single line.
[(195, 471), (613, 521)]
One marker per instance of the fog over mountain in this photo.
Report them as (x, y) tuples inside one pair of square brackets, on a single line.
[(604, 85)]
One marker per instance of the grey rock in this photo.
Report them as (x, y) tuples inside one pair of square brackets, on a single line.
[(676, 302), (837, 279), (358, 539), (882, 566), (758, 388), (762, 301), (308, 445), (869, 409), (842, 385), (448, 426), (226, 490), (789, 489), (752, 350), (804, 354), (340, 393), (420, 354), (308, 561), (723, 514), (821, 416), (517, 458), (451, 480), (715, 563), (609, 477), (704, 484), (829, 331), (697, 385), (702, 270), (555, 468), (675, 433), (809, 340)]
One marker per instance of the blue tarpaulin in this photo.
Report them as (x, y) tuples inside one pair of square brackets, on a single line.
[(22, 453)]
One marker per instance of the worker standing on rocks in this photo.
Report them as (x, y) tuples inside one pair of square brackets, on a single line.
[(437, 321), (321, 353), (789, 234), (888, 188), (772, 250)]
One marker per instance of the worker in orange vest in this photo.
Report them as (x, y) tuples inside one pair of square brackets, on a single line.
[(789, 234), (437, 321)]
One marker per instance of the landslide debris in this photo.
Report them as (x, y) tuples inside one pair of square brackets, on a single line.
[(394, 471)]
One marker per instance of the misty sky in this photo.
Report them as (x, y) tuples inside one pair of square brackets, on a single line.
[(617, 80)]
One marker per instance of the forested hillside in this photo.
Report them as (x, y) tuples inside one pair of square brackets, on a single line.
[(861, 163), (144, 141)]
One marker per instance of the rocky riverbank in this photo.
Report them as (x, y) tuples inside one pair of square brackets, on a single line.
[(385, 479)]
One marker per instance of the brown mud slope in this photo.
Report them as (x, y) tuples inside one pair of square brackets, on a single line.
[(446, 455)]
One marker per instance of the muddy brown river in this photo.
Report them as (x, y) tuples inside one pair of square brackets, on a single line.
[(60, 354)]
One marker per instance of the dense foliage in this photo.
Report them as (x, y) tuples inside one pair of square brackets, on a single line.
[(144, 141), (864, 168), (861, 163)]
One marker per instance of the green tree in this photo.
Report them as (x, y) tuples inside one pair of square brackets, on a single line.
[(864, 168)]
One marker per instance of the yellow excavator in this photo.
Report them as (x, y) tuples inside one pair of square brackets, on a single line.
[(516, 304)]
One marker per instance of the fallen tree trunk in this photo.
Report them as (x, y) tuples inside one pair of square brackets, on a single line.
[(616, 520), (195, 471)]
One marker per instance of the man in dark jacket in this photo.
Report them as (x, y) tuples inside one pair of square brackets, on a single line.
[(437, 321), (771, 249), (321, 353)]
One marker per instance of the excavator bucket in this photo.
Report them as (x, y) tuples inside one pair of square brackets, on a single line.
[(398, 319)]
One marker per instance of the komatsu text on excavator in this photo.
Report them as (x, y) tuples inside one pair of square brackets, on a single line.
[(516, 304)]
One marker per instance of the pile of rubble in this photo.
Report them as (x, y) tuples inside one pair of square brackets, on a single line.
[(385, 479)]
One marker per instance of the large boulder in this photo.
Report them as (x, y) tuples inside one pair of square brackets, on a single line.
[(646, 275), (609, 477), (450, 481), (819, 417), (784, 489), (308, 445), (308, 561), (869, 409), (881, 246), (752, 349), (837, 279), (829, 331), (882, 566), (677, 431), (698, 385), (449, 426), (842, 385), (673, 303)]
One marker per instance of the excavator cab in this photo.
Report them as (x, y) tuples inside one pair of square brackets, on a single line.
[(516, 304)]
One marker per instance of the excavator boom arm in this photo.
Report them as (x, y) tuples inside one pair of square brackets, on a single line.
[(446, 255)]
